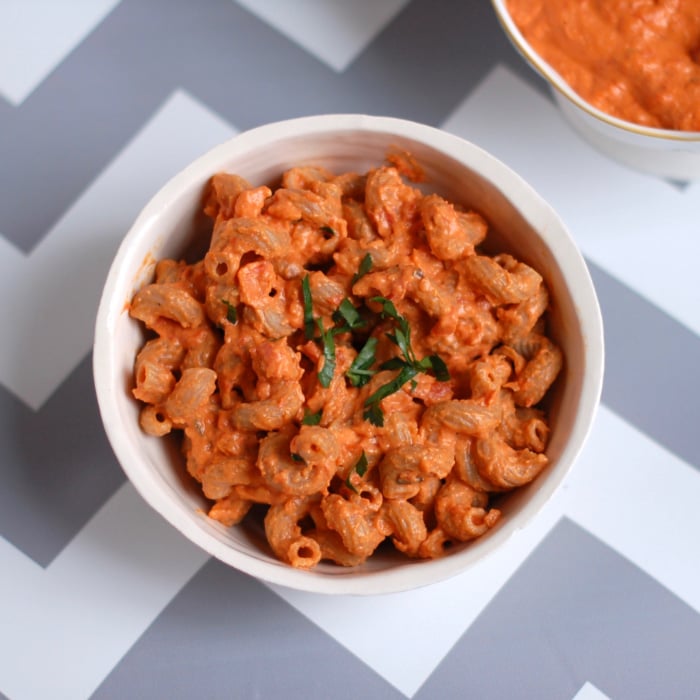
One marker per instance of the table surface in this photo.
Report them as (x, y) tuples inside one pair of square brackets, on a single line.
[(100, 103)]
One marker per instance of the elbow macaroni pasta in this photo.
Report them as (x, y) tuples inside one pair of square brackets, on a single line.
[(346, 355)]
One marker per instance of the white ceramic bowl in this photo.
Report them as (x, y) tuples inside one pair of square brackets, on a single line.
[(522, 223), (663, 152)]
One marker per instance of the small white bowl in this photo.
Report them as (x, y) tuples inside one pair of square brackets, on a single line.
[(522, 223), (663, 152)]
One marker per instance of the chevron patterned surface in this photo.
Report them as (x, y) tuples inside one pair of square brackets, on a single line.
[(99, 105)]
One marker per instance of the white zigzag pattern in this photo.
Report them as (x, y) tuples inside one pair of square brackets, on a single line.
[(590, 692), (60, 612), (336, 32), (126, 564), (36, 36), (72, 622), (52, 294), (410, 633), (439, 615), (642, 230)]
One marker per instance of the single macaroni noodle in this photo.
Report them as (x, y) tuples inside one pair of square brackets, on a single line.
[(346, 357)]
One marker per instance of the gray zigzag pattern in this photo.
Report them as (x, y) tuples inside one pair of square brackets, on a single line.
[(576, 611), (57, 467), (547, 632), (164, 44), (654, 394), (54, 484), (257, 646)]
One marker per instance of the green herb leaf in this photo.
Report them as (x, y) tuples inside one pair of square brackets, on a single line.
[(408, 365), (388, 308), (360, 469), (442, 374), (297, 458), (231, 314), (373, 412), (325, 376), (407, 372), (308, 308), (348, 317), (401, 337), (365, 267), (328, 231), (311, 418), (359, 372), (361, 466), (393, 363)]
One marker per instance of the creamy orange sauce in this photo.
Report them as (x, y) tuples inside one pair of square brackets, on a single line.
[(638, 60), (347, 356)]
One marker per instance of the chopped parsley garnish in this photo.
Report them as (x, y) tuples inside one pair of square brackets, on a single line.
[(346, 319), (231, 314), (360, 372), (360, 469), (326, 336), (438, 366), (402, 333), (408, 365), (402, 338), (365, 267), (311, 418), (308, 308), (373, 412), (325, 376)]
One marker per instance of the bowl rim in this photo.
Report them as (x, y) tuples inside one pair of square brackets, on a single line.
[(345, 582), (555, 81)]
